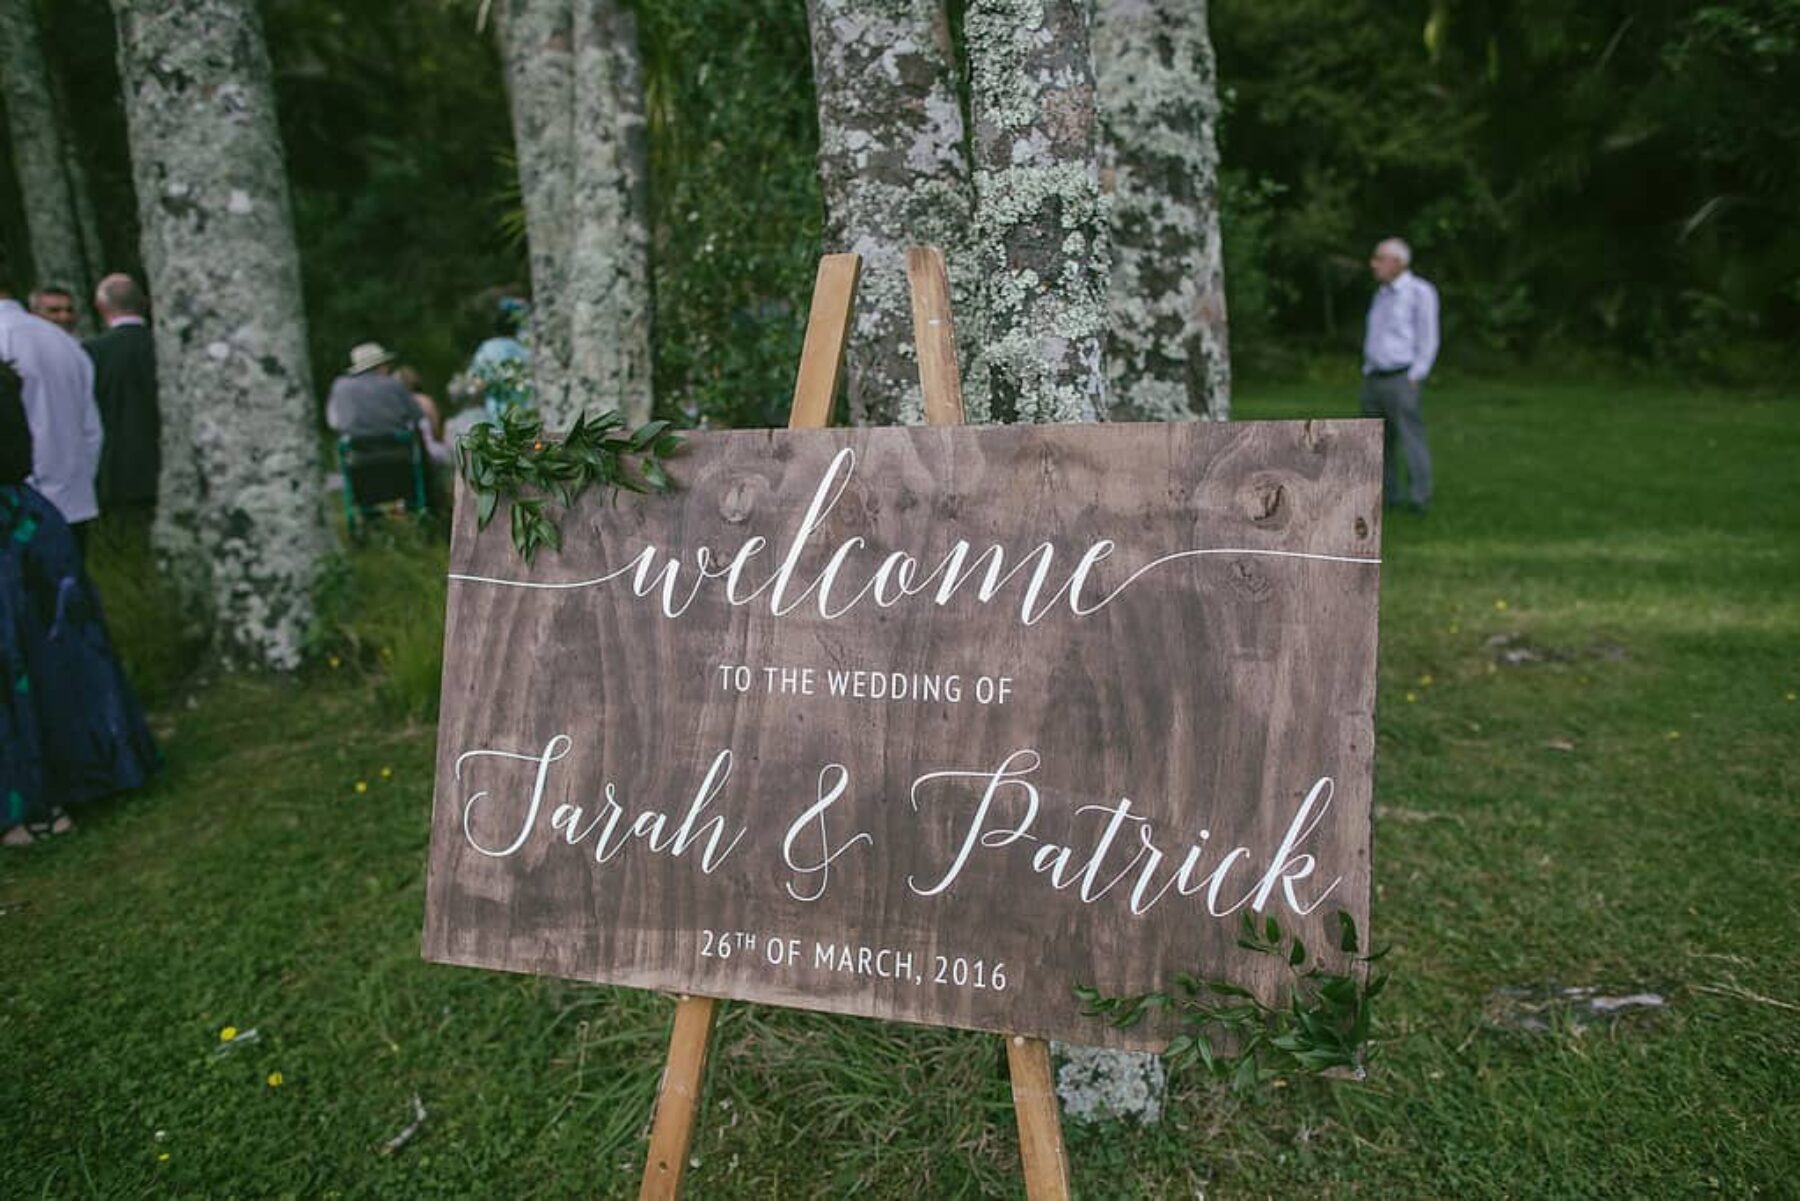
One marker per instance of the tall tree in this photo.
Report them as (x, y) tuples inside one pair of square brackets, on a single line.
[(1041, 228), (576, 89), (894, 173), (1167, 355), (81, 193), (610, 306), (39, 154), (1039, 222), (239, 519), (537, 44)]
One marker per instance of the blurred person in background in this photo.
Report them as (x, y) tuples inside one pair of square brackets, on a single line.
[(1400, 345), (57, 391), (125, 391), (71, 731), (55, 304)]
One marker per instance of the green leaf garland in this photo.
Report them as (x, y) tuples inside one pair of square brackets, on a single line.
[(512, 459)]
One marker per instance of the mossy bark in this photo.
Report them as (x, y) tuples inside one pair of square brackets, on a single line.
[(238, 523), (575, 83), (609, 265), (40, 155), (894, 173), (1167, 352), (537, 39), (1039, 218)]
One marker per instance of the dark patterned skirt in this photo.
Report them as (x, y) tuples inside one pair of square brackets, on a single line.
[(70, 728)]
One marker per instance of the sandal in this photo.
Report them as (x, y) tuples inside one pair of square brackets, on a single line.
[(26, 833)]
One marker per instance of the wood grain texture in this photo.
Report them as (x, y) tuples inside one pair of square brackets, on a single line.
[(827, 333), (1214, 692), (1040, 1119), (934, 335), (678, 1098)]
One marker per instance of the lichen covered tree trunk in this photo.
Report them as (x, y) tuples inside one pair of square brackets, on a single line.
[(894, 173), (537, 40), (575, 83), (238, 520), (1167, 354), (81, 193), (39, 154), (1040, 224), (609, 301)]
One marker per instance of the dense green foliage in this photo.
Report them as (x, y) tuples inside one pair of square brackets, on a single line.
[(1616, 176), (1598, 180), (1613, 809)]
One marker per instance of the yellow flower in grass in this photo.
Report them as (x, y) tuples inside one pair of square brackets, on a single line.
[(335, 662), (1425, 681), (1500, 605), (227, 1034), (276, 1080), (1412, 698), (1792, 697), (362, 786), (163, 1158), (1673, 735), (387, 773)]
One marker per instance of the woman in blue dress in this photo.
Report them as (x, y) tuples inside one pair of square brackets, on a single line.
[(70, 729)]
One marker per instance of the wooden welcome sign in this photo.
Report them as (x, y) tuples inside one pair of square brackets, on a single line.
[(921, 724)]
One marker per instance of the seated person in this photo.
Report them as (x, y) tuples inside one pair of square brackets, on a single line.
[(368, 400)]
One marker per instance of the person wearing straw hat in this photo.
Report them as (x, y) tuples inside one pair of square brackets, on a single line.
[(367, 399)]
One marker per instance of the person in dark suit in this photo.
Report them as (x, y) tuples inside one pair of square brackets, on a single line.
[(125, 389)]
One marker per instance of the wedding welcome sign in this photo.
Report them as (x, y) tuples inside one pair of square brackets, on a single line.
[(922, 724)]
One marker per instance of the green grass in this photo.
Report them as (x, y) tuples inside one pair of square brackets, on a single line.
[(1621, 814)]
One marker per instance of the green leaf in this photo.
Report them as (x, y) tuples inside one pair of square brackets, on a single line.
[(1272, 929), (486, 500), (1296, 954), (646, 434), (1347, 941)]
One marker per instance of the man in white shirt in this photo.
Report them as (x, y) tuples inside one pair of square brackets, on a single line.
[(59, 408), (1399, 347)]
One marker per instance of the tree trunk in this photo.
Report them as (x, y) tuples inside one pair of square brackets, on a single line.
[(239, 518), (894, 173), (610, 307), (1040, 225), (81, 192), (576, 87), (39, 154), (1167, 356), (537, 44)]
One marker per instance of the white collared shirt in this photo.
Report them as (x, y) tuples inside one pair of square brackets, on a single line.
[(1403, 328), (125, 319), (59, 408)]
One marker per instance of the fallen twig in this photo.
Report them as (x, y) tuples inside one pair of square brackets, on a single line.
[(1734, 989), (412, 1128)]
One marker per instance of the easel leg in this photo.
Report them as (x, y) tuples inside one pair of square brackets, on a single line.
[(815, 389), (678, 1098), (1040, 1122), (1034, 1092)]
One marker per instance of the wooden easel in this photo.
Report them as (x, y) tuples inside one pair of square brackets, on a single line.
[(821, 363)]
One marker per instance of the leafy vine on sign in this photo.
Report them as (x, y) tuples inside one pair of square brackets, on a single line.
[(1323, 1027), (500, 461)]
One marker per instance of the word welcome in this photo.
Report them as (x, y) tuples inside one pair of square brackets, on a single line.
[(848, 580)]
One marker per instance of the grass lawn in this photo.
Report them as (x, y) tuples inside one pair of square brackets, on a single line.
[(1617, 809)]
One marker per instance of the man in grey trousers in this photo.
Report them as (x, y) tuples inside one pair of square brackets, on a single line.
[(1399, 347)]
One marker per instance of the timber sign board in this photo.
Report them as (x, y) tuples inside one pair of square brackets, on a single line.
[(923, 724)]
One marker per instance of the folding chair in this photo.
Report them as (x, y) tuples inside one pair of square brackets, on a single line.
[(381, 472)]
